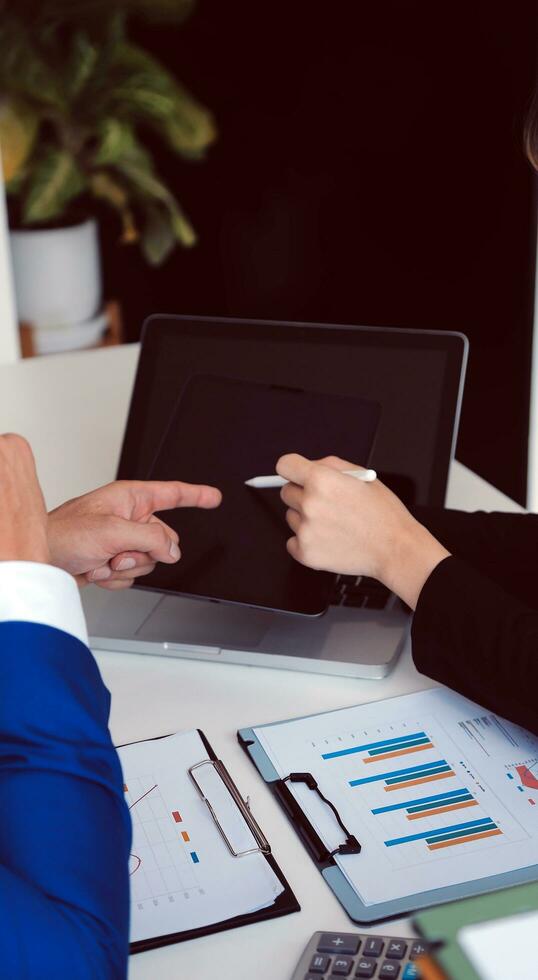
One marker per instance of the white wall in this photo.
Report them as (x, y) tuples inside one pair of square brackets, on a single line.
[(9, 334)]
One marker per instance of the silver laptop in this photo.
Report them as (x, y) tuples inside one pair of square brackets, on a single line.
[(416, 376)]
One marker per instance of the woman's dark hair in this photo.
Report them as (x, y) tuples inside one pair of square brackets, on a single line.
[(530, 136)]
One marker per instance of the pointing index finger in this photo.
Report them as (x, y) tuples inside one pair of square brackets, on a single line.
[(171, 494)]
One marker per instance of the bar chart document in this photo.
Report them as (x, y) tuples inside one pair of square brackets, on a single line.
[(183, 874), (437, 790)]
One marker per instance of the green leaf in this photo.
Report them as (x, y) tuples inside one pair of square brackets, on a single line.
[(165, 221), (147, 91), (183, 229), (116, 142), (190, 129), (147, 185), (109, 189), (139, 98), (82, 62), (55, 181), (24, 70), (18, 131), (15, 185), (92, 95), (158, 238)]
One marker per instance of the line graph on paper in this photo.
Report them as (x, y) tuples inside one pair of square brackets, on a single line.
[(163, 860)]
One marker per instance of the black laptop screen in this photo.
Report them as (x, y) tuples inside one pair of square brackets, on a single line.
[(223, 432), (414, 375)]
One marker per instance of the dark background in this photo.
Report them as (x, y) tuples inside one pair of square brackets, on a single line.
[(369, 170)]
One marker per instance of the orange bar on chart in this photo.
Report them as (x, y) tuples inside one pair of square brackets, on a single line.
[(176, 816), (185, 835), (392, 755), (464, 840), (416, 782), (442, 809)]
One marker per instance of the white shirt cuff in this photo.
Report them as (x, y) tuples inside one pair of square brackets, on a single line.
[(32, 592)]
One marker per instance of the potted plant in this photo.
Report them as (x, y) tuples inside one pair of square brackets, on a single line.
[(77, 100)]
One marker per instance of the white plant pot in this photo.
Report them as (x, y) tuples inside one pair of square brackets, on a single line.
[(57, 275), (53, 340)]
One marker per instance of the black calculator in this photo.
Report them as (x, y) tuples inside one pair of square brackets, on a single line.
[(334, 955)]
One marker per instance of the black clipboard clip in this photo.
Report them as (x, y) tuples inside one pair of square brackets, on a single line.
[(350, 846), (218, 767)]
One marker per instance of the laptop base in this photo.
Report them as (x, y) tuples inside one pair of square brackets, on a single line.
[(344, 642)]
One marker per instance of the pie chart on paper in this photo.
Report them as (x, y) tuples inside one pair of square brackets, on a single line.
[(527, 777)]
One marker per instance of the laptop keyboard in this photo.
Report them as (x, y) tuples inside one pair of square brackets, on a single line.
[(360, 592)]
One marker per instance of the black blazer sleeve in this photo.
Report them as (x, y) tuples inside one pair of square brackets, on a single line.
[(470, 634), (504, 547), (476, 623)]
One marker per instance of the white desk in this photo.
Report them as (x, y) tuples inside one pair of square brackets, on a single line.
[(72, 408)]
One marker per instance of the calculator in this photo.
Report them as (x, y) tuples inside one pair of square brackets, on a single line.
[(334, 955)]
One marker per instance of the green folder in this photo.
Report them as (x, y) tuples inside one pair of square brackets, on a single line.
[(442, 924)]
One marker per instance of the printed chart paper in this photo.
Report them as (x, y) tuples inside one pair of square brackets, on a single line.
[(437, 790), (182, 874)]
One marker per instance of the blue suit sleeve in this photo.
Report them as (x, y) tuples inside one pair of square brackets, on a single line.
[(64, 826)]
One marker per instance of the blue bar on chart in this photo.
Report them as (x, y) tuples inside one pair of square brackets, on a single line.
[(429, 806), (195, 858), (412, 776), (460, 833), (387, 748)]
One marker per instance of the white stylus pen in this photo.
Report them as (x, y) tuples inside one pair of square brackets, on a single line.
[(263, 482)]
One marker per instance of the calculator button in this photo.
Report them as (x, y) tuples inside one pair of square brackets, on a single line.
[(342, 966), (389, 970), (418, 949), (373, 946), (411, 972), (396, 949), (365, 967), (319, 964), (339, 942)]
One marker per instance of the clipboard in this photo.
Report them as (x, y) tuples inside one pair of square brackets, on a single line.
[(324, 860), (284, 904)]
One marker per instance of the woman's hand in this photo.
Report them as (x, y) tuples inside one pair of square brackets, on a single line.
[(352, 528), (111, 536), (23, 518)]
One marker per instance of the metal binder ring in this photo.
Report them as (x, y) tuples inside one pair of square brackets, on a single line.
[(263, 846)]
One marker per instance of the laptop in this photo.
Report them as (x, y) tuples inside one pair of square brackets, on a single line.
[(415, 376)]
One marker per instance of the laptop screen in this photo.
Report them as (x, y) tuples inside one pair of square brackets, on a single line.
[(416, 377), (223, 432)]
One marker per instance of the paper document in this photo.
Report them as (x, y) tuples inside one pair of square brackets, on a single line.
[(182, 873), (502, 948), (437, 790)]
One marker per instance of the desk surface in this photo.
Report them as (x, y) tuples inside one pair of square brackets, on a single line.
[(72, 408)]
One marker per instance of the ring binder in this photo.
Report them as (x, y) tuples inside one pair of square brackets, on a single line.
[(351, 845), (284, 903), (435, 702), (243, 806)]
